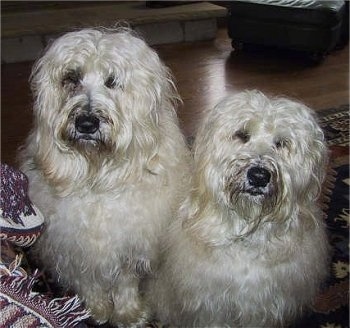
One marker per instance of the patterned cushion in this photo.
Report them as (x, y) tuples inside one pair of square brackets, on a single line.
[(21, 223)]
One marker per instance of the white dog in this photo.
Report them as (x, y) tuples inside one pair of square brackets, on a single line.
[(249, 248), (107, 165)]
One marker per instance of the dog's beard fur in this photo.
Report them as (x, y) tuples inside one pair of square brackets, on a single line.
[(254, 204), (99, 143)]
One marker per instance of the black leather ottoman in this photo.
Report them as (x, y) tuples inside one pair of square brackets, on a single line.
[(310, 26)]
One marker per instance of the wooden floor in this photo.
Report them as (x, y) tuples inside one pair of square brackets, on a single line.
[(205, 72)]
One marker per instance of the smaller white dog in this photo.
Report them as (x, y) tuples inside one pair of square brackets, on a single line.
[(249, 248), (107, 165)]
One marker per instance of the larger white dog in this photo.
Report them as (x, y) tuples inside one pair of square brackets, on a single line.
[(249, 248), (107, 166)]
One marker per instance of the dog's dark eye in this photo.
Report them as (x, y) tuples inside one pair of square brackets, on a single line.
[(71, 78), (242, 135), (281, 143), (110, 83)]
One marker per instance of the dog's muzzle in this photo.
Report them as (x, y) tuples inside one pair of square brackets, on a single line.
[(87, 124)]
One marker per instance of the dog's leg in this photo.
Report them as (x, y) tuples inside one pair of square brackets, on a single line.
[(129, 308), (98, 302)]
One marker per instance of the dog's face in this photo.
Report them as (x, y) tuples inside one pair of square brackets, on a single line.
[(96, 91), (101, 100), (259, 156)]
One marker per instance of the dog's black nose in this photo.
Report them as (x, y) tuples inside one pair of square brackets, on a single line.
[(258, 176), (88, 124)]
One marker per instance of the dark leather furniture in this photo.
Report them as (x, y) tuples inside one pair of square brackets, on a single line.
[(310, 26)]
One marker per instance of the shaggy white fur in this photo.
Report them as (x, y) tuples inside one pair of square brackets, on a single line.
[(107, 165), (249, 248)]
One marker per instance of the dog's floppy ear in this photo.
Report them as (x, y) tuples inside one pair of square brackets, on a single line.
[(41, 82), (319, 158), (315, 154), (150, 97)]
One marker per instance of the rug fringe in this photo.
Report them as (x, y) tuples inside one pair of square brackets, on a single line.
[(58, 312)]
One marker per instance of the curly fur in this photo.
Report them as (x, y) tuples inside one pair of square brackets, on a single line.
[(106, 194), (249, 247)]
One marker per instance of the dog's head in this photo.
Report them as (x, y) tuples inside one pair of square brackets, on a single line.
[(100, 94), (261, 157)]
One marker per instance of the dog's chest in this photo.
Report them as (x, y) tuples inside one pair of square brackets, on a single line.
[(230, 270), (106, 219)]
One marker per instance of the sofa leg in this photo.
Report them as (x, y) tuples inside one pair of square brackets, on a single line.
[(317, 57), (237, 45)]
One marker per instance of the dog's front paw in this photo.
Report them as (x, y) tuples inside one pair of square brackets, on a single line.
[(100, 309), (131, 316)]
